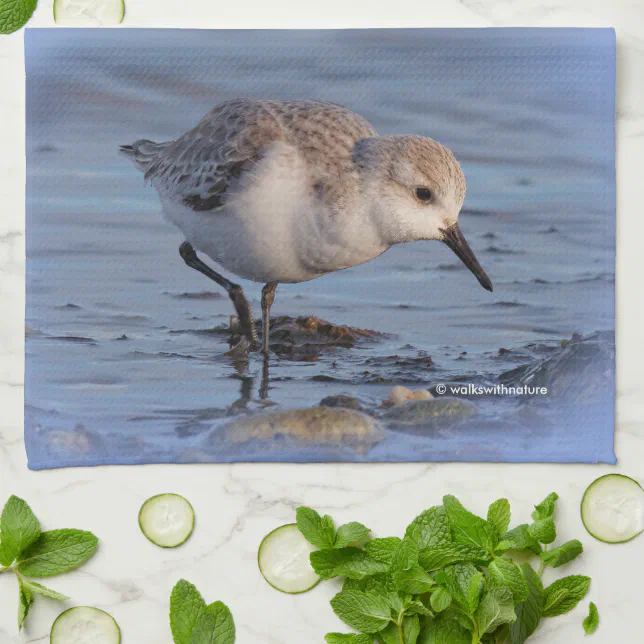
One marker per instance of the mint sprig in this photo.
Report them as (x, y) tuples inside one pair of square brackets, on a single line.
[(56, 552), (194, 622), (320, 530), (28, 553), (450, 580)]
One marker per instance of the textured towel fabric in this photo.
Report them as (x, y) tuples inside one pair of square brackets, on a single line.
[(126, 348)]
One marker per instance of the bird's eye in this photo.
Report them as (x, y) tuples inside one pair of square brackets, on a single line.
[(424, 194)]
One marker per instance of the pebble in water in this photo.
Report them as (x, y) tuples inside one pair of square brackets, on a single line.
[(437, 411), (400, 395), (313, 426)]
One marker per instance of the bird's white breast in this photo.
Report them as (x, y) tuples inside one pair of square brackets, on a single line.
[(275, 228)]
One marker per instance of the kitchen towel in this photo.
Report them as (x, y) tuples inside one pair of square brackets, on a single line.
[(132, 357)]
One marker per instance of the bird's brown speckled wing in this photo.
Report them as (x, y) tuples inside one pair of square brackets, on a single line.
[(200, 167)]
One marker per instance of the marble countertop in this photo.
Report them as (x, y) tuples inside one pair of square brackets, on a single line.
[(237, 505)]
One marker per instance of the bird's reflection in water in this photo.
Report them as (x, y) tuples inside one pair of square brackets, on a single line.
[(248, 381), (195, 422), (264, 385)]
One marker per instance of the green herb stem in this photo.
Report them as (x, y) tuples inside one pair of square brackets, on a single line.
[(399, 624), (401, 633), (542, 565), (476, 638)]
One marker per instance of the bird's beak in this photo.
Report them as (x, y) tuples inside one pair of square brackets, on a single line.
[(454, 238)]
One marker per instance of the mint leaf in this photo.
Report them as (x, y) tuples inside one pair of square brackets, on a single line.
[(562, 554), (38, 589), (592, 621), (411, 629), (381, 583), (389, 635), (546, 508), (416, 607), (430, 529), (19, 528), (384, 585), (444, 630), (498, 515), (354, 584), (186, 607), (214, 626), (351, 533), (414, 581), (439, 557), (529, 611), (474, 591), (496, 608), (440, 600), (317, 530), (345, 562), (457, 582), (348, 638), (544, 530), (519, 539), (57, 551), (383, 550), (564, 594), (365, 611), (25, 599), (504, 572), (469, 529), (15, 14), (555, 598), (406, 555)]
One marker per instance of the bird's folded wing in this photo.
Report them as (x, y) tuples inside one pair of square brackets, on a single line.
[(200, 167)]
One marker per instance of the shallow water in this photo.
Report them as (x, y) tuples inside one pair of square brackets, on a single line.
[(120, 364)]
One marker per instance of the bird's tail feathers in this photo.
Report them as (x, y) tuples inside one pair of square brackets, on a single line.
[(143, 152)]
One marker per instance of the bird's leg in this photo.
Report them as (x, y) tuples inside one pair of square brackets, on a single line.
[(268, 295), (234, 291)]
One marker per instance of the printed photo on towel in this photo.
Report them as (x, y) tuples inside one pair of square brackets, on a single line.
[(320, 246)]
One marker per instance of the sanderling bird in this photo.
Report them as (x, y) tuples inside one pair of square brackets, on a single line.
[(286, 191)]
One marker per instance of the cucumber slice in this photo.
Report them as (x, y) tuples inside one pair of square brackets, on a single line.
[(88, 13), (613, 508), (283, 560), (84, 624), (167, 520)]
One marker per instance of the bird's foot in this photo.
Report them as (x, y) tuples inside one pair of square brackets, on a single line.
[(240, 349), (246, 336)]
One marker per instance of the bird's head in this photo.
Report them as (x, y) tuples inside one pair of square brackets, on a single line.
[(415, 189)]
